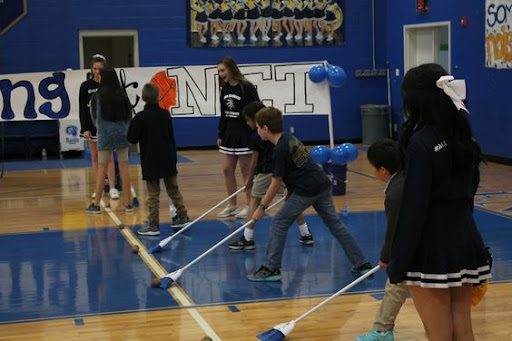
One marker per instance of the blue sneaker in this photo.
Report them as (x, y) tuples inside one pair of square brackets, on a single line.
[(265, 274), (377, 336), (93, 209)]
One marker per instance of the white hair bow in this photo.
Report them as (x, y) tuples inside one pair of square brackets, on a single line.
[(455, 89), (99, 56)]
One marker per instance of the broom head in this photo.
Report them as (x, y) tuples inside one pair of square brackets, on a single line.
[(155, 249), (278, 333)]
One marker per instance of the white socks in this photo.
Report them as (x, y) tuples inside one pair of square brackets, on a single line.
[(304, 230), (248, 234)]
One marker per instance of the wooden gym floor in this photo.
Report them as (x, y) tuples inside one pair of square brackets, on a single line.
[(67, 275)]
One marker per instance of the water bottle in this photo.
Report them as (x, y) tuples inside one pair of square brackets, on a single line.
[(172, 210), (44, 155), (344, 211)]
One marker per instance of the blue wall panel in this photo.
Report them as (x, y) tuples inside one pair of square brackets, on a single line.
[(491, 111), (47, 39)]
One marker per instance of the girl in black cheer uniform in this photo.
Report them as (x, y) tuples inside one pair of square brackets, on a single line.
[(437, 250), (234, 134)]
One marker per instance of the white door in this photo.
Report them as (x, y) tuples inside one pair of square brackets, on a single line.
[(427, 43)]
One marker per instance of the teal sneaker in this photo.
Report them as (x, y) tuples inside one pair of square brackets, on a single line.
[(377, 336)]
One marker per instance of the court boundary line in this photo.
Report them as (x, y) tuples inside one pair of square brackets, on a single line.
[(176, 292), (206, 305)]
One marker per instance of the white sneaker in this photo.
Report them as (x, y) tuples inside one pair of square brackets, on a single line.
[(289, 37), (93, 195), (298, 37), (214, 37), (203, 40), (114, 193), (241, 38), (253, 38), (228, 211), (329, 38), (242, 214), (265, 38)]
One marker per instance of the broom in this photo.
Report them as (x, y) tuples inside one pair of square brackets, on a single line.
[(280, 331), (172, 277), (164, 242)]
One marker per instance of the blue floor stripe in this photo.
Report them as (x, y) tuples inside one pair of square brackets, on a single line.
[(66, 163), (233, 309)]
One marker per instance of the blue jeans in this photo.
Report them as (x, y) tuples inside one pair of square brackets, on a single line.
[(323, 205)]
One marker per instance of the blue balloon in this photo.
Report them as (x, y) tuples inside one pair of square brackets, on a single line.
[(320, 154), (317, 73), (339, 155), (351, 150), (87, 152), (336, 76)]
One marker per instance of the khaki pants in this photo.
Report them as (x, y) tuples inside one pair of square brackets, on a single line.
[(153, 202), (394, 297)]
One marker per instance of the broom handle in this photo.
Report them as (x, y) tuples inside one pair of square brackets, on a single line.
[(355, 282), (167, 240), (227, 238)]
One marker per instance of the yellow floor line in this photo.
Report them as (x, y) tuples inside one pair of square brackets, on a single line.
[(178, 294)]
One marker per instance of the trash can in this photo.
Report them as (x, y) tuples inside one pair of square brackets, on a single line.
[(374, 122), (338, 176)]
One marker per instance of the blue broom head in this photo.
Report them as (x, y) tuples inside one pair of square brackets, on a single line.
[(166, 282), (155, 249), (136, 202), (271, 335)]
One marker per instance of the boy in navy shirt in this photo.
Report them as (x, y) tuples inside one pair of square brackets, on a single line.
[(260, 177), (307, 185)]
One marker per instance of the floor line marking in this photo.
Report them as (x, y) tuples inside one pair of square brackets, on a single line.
[(176, 291)]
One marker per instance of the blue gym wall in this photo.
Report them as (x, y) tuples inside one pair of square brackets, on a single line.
[(47, 39), (488, 89)]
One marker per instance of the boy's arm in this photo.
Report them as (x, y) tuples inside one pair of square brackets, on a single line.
[(267, 199)]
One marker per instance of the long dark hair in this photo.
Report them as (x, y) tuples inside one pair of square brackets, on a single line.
[(115, 105), (230, 64), (426, 104)]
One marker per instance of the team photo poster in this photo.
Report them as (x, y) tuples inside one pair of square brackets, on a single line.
[(266, 23)]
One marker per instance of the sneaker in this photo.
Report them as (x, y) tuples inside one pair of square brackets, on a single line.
[(149, 231), (179, 222), (242, 214), (228, 212), (202, 40), (265, 274), (129, 208), (93, 209), (307, 239), (93, 195), (114, 194), (362, 269), (377, 336), (243, 244)]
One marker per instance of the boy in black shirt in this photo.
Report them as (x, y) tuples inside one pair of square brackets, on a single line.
[(260, 176), (307, 185), (385, 158), (153, 129)]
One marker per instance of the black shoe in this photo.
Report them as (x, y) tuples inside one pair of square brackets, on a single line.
[(243, 244), (362, 269), (149, 231), (179, 222), (265, 274), (307, 239)]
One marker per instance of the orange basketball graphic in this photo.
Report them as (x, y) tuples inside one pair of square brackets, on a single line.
[(167, 88)]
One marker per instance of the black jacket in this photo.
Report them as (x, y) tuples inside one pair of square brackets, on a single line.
[(153, 129), (87, 90), (392, 207)]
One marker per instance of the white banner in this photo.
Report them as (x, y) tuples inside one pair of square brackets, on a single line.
[(498, 34), (188, 91)]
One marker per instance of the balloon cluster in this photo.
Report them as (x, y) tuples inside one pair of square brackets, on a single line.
[(336, 76), (339, 155)]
